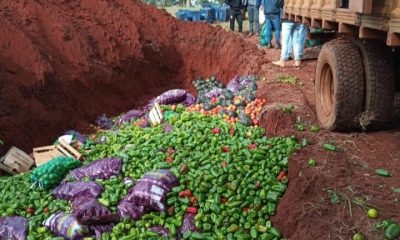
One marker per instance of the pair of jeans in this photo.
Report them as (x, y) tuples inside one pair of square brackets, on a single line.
[(293, 39), (236, 15), (253, 18), (273, 20)]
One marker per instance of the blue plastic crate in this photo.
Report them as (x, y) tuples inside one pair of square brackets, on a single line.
[(196, 16), (188, 15), (216, 13), (208, 14), (223, 14), (207, 5)]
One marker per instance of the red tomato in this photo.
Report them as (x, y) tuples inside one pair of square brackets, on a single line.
[(225, 149), (185, 193), (169, 160), (192, 210)]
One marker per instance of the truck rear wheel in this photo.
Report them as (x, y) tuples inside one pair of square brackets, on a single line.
[(380, 83), (339, 86)]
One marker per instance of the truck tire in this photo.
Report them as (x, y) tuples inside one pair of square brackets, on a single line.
[(339, 86), (380, 83)]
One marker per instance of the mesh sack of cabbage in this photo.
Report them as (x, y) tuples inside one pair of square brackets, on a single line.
[(89, 211), (67, 226), (100, 169), (13, 228), (234, 84), (71, 190), (52, 173), (150, 193), (104, 122), (130, 116)]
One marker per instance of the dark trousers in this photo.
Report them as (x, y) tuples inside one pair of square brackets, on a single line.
[(236, 15)]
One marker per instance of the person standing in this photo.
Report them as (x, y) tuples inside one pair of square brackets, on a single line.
[(253, 7), (235, 11), (272, 19), (293, 39)]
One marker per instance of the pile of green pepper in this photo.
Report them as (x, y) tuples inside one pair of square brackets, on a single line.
[(230, 171), (228, 177)]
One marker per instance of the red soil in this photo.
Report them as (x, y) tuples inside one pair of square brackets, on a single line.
[(306, 211), (62, 63)]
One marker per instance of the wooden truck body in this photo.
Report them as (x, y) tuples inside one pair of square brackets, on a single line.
[(358, 71)]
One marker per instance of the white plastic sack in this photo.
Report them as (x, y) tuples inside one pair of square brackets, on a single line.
[(66, 138), (261, 15)]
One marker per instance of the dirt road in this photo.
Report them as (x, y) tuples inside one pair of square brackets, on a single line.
[(329, 201)]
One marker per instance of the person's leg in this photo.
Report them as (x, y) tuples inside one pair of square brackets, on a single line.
[(287, 29), (232, 20), (250, 11), (268, 30), (299, 37), (277, 26), (285, 51), (240, 21), (257, 20)]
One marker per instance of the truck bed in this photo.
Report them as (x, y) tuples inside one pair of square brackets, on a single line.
[(371, 19)]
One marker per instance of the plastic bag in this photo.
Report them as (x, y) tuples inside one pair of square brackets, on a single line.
[(130, 209), (130, 116), (51, 173), (244, 81), (66, 226), (98, 230), (171, 96), (261, 15), (216, 92), (71, 190), (104, 122), (234, 85), (188, 224), (151, 190), (263, 36), (189, 100), (13, 228), (77, 136), (103, 169), (89, 211), (162, 232)]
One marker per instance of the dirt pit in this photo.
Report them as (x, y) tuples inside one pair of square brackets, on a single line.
[(63, 63)]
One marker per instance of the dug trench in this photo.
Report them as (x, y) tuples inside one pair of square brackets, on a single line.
[(63, 63)]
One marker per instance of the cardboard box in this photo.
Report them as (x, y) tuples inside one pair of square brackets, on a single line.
[(16, 161)]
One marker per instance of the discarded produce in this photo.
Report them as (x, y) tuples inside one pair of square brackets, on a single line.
[(382, 172), (372, 213)]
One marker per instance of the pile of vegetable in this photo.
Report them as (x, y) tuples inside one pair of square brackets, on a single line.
[(235, 103), (227, 173), (231, 178)]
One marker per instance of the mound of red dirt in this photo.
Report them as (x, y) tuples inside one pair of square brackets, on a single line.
[(62, 63)]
